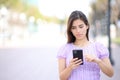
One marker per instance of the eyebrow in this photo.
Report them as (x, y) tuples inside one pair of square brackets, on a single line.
[(81, 24), (78, 25)]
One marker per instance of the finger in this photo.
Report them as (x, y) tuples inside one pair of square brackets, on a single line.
[(75, 59), (78, 61), (88, 60), (72, 60)]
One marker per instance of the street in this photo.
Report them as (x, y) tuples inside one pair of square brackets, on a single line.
[(28, 64)]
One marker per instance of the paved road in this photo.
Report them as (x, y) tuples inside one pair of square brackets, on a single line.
[(39, 63), (28, 64)]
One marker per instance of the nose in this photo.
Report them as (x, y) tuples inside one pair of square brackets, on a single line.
[(77, 30)]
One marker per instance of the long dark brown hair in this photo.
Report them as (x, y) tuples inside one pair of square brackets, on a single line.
[(73, 16)]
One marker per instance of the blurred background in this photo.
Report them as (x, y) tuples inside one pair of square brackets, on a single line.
[(32, 31)]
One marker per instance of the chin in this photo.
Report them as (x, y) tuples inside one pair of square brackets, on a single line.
[(79, 38)]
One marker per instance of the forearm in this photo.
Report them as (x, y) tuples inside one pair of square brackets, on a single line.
[(106, 68), (66, 73)]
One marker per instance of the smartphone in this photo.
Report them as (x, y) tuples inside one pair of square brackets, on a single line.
[(78, 54)]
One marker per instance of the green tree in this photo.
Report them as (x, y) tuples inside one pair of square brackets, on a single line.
[(30, 10), (98, 17), (9, 3), (115, 14), (99, 12)]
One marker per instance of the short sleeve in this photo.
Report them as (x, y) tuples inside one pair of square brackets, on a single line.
[(102, 50), (62, 52)]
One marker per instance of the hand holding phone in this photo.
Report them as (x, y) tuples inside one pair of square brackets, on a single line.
[(78, 54)]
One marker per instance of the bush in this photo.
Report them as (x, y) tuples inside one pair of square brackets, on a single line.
[(116, 40)]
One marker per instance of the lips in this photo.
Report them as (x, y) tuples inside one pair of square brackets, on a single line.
[(79, 34)]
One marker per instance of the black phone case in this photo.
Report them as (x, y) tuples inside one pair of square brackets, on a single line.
[(78, 54)]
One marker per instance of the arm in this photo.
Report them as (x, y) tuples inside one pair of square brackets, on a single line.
[(104, 64), (65, 72)]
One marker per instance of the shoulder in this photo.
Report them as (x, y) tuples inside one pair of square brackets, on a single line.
[(101, 49), (96, 44), (67, 45), (99, 45), (62, 52)]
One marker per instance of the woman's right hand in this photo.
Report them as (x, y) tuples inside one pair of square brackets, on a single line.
[(74, 63)]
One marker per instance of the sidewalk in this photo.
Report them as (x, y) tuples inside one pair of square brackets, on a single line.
[(115, 56)]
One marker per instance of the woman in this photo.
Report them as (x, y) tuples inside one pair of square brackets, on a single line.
[(95, 55)]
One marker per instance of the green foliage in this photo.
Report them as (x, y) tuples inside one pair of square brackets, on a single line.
[(116, 40), (100, 13), (9, 3), (30, 10), (99, 8)]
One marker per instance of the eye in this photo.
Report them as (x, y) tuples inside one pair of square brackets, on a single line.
[(73, 27), (81, 26)]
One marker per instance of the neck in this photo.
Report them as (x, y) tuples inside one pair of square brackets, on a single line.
[(81, 43)]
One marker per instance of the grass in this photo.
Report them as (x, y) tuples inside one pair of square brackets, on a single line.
[(116, 40)]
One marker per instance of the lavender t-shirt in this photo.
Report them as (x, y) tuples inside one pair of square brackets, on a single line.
[(89, 70)]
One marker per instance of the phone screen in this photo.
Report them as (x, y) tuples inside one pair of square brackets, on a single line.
[(78, 54)]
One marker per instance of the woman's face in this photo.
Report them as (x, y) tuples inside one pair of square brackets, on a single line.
[(79, 29)]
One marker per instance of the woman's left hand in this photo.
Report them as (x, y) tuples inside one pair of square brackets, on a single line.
[(91, 58)]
